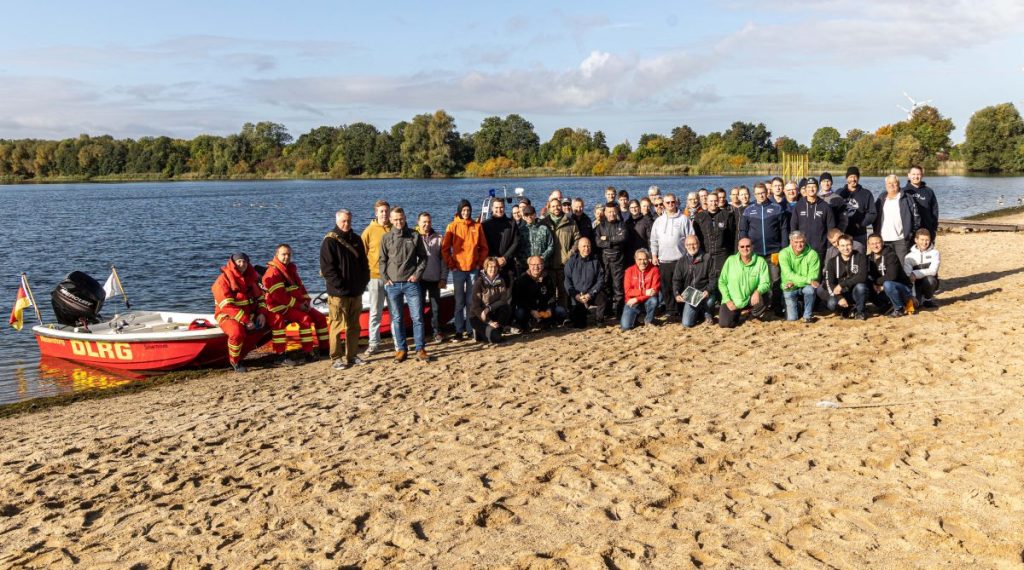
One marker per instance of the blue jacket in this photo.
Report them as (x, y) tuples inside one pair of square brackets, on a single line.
[(815, 220), (583, 275), (767, 225)]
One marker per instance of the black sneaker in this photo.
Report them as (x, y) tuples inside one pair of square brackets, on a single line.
[(808, 320), (860, 316), (895, 313), (930, 304)]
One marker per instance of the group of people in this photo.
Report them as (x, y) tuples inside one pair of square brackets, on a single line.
[(796, 246)]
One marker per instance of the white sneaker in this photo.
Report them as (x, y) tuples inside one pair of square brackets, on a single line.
[(370, 351), (357, 362), (340, 365)]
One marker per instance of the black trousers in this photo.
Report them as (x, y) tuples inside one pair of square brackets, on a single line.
[(614, 288), (667, 268), (578, 312), (728, 319), (901, 247), (484, 331), (926, 287)]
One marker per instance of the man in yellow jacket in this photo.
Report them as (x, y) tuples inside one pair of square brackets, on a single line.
[(372, 235), (463, 249)]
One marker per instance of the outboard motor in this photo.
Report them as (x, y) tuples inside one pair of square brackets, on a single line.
[(77, 300)]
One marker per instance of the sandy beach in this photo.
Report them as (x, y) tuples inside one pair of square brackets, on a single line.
[(656, 448)]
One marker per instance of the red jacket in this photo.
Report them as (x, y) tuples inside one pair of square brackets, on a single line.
[(637, 283), (284, 287), (238, 296)]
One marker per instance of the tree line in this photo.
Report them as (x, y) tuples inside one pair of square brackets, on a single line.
[(430, 146)]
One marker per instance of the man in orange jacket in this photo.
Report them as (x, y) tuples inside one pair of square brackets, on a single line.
[(240, 308), (463, 249), (288, 302)]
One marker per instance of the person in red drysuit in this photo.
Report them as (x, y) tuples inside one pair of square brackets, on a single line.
[(288, 302), (240, 308)]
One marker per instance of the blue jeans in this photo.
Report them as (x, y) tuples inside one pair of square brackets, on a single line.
[(629, 313), (463, 281), (693, 315), (792, 299), (859, 295), (897, 293), (399, 294), (376, 289)]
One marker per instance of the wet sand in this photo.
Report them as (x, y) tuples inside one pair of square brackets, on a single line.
[(659, 448)]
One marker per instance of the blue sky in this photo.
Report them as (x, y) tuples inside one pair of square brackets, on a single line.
[(185, 68)]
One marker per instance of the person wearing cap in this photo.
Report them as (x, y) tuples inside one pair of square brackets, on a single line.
[(744, 282), (924, 197), (534, 238), (860, 206), (801, 271), (372, 235), (464, 249), (346, 273), (564, 235), (897, 217), (813, 217), (240, 309), (833, 200), (288, 302)]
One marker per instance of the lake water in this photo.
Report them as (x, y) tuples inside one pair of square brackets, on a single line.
[(169, 239)]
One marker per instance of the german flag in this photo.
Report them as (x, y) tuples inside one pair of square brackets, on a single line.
[(21, 302)]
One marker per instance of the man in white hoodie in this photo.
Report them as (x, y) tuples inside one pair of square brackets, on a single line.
[(922, 266), (667, 236)]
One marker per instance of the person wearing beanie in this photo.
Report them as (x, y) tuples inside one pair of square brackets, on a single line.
[(464, 249), (860, 206)]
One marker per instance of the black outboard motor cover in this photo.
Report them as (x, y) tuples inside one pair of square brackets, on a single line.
[(78, 299)]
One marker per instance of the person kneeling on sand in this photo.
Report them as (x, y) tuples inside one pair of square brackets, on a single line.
[(744, 282), (800, 270), (889, 285), (535, 297), (846, 281), (697, 270), (922, 266), (643, 290), (584, 283), (490, 308), (833, 246)]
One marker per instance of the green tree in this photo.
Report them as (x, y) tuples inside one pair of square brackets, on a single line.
[(622, 150), (827, 145), (750, 140), (930, 129), (686, 145), (852, 136), (872, 153), (788, 145), (601, 143), (993, 141), (519, 141)]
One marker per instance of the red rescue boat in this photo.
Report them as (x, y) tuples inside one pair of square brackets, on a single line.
[(141, 342)]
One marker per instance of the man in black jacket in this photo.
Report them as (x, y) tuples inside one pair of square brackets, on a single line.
[(715, 229), (860, 206), (583, 222), (346, 271), (612, 240), (535, 297), (813, 217), (502, 238), (897, 218), (924, 197), (638, 225), (890, 286), (695, 269), (584, 283), (846, 281)]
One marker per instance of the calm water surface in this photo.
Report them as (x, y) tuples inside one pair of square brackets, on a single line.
[(168, 240)]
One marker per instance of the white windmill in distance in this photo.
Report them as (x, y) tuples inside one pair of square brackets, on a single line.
[(914, 105)]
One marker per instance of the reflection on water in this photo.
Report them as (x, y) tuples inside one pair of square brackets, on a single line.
[(169, 239), (66, 377)]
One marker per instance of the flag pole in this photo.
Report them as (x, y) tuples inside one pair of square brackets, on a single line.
[(117, 278), (31, 297)]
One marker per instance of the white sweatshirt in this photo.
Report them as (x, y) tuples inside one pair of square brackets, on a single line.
[(922, 263), (668, 234)]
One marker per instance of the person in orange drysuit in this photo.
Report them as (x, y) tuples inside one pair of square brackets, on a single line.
[(240, 308), (288, 302)]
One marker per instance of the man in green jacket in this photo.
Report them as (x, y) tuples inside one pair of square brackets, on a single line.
[(744, 282), (565, 234), (800, 268)]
